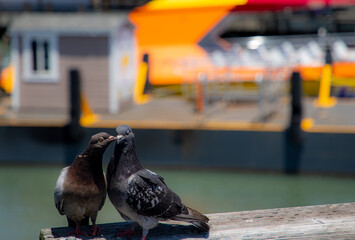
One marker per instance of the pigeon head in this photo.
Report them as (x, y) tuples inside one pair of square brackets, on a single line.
[(101, 140), (124, 133)]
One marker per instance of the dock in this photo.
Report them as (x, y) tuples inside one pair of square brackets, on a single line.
[(331, 221), (175, 113), (170, 133)]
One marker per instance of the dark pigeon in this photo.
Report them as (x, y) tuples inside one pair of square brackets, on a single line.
[(80, 191), (141, 195)]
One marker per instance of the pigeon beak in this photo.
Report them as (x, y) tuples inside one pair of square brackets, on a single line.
[(119, 137), (112, 138)]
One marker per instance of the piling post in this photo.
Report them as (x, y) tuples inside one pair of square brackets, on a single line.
[(296, 108), (73, 130), (200, 92), (294, 134)]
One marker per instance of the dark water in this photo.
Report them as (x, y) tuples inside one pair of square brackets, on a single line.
[(26, 195)]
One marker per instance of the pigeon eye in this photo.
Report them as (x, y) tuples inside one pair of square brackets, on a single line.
[(101, 139), (127, 132)]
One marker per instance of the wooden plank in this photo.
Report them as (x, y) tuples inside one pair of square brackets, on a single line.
[(332, 221)]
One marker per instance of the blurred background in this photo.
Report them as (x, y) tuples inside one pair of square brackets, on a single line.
[(238, 104)]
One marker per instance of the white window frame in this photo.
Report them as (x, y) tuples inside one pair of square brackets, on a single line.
[(29, 74)]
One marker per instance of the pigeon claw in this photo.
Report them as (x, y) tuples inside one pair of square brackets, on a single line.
[(77, 233), (128, 233), (96, 230)]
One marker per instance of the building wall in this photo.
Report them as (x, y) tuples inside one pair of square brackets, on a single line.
[(41, 96), (89, 56)]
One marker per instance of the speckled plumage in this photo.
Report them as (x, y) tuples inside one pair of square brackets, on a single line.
[(141, 195)]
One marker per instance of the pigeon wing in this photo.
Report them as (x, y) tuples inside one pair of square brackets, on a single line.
[(148, 195), (58, 191)]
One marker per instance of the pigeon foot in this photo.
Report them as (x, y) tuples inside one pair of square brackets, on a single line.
[(126, 232), (95, 230), (77, 232)]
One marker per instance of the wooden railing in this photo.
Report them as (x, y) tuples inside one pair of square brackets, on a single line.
[(332, 221)]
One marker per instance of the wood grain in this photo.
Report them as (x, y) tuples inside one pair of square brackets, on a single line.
[(332, 221)]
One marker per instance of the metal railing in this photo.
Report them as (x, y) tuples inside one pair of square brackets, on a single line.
[(231, 82)]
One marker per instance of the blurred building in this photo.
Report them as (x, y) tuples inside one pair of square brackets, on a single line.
[(228, 42), (10, 9), (46, 46)]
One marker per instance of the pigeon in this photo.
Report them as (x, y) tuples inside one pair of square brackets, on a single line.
[(80, 191), (141, 195)]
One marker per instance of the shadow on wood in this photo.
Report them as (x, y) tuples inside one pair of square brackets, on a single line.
[(109, 231), (331, 221)]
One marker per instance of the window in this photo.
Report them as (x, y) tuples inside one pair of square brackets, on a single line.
[(40, 58)]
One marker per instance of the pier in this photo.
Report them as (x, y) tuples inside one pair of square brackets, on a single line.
[(181, 137), (331, 221)]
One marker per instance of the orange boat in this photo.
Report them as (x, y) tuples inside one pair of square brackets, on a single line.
[(180, 37)]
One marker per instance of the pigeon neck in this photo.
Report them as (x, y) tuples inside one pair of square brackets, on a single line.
[(87, 168), (127, 162), (92, 157)]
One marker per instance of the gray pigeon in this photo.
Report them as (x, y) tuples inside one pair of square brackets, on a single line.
[(141, 195), (80, 191)]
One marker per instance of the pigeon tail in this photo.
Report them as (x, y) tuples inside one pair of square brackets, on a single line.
[(194, 217), (201, 225)]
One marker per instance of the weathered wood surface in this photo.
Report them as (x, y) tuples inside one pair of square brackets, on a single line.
[(333, 221)]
